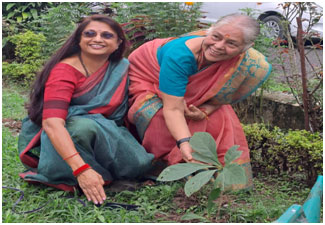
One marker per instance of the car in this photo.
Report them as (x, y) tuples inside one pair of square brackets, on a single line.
[(271, 14)]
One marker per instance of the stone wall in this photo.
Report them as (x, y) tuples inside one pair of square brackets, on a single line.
[(278, 109)]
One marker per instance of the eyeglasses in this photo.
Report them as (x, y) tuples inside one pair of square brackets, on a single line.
[(91, 33)]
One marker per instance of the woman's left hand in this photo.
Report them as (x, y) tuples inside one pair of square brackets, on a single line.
[(194, 113)]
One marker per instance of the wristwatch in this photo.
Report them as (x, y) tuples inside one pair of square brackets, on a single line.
[(180, 141)]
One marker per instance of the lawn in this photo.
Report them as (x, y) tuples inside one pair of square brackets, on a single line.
[(161, 202)]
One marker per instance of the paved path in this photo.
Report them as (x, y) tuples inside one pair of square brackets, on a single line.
[(315, 60)]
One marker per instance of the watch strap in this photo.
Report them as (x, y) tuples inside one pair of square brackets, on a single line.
[(182, 140)]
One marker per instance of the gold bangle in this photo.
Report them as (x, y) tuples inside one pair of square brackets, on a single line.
[(205, 114)]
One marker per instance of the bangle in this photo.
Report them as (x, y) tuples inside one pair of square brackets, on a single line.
[(77, 153), (81, 169), (180, 141), (205, 113)]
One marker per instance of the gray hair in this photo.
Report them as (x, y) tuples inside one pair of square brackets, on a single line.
[(248, 25)]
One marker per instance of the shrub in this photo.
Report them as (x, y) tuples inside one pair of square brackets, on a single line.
[(144, 21), (24, 11), (28, 52), (18, 17), (8, 30), (274, 151), (304, 152), (58, 23)]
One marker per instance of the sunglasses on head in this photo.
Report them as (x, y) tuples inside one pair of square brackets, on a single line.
[(92, 33)]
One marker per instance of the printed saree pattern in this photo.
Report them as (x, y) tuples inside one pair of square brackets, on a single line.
[(94, 122)]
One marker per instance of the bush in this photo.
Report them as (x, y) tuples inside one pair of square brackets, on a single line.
[(304, 152), (28, 52), (143, 22), (58, 23), (18, 17), (274, 151)]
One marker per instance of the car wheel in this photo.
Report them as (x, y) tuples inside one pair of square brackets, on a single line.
[(274, 27)]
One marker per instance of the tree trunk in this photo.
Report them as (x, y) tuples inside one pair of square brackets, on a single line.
[(301, 50)]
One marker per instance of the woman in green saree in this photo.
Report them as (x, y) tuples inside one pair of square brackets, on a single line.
[(74, 134)]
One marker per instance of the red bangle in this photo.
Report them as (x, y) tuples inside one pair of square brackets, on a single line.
[(81, 169)]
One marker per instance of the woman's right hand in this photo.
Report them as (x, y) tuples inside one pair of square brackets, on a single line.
[(92, 183), (186, 151)]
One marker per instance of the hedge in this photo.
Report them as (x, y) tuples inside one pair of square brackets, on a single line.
[(274, 151)]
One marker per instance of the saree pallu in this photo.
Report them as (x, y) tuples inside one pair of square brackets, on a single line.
[(94, 122), (221, 84)]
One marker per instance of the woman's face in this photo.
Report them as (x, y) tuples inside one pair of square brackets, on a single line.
[(98, 38), (223, 43)]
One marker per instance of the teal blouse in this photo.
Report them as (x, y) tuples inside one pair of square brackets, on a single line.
[(177, 64)]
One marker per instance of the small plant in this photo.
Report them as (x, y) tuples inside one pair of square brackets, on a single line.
[(204, 147)]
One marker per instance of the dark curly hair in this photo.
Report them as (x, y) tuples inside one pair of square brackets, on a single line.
[(69, 48)]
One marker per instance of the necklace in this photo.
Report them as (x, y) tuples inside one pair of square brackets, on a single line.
[(83, 65)]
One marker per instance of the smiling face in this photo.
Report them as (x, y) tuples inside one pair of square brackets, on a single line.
[(98, 38), (223, 43)]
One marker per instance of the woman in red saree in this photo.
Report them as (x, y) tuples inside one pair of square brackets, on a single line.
[(74, 134), (186, 85)]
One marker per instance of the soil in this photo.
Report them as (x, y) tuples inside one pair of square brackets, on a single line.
[(183, 202), (13, 125)]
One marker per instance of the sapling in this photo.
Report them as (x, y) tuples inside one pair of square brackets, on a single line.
[(205, 150)]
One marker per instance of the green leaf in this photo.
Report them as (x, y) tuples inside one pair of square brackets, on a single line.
[(192, 216), (180, 170), (195, 183), (231, 174), (232, 154), (215, 193), (25, 15), (235, 174), (204, 144), (10, 5), (34, 13), (10, 15), (4, 41), (205, 159), (19, 19), (101, 218), (23, 8)]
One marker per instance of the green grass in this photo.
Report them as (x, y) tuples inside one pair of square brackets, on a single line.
[(13, 100), (160, 203)]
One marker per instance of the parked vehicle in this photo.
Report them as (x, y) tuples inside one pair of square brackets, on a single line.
[(270, 13)]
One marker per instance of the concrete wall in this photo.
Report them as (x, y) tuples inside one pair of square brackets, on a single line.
[(278, 109)]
